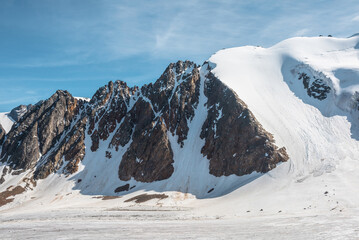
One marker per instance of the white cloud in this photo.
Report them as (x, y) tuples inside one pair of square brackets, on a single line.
[(301, 32)]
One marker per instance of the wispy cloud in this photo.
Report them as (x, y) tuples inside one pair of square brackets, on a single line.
[(101, 31), (355, 19), (301, 32)]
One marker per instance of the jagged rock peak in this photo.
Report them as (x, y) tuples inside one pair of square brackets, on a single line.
[(116, 89), (172, 74), (180, 66), (38, 133), (138, 122)]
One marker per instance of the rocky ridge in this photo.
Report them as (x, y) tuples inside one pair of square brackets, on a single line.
[(50, 136), (44, 136)]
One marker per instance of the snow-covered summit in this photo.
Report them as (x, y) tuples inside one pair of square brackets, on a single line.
[(304, 91)]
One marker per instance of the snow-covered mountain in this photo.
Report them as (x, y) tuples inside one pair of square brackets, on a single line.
[(252, 128)]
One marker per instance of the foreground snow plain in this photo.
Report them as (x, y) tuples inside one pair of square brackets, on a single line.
[(314, 195), (6, 121), (84, 217)]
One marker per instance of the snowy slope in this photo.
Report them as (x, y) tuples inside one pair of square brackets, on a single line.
[(6, 121), (321, 137), (83, 99)]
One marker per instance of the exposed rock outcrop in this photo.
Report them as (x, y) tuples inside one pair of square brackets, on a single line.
[(355, 101), (175, 96), (316, 88), (19, 112), (149, 157), (8, 195), (45, 135), (143, 117), (109, 106)]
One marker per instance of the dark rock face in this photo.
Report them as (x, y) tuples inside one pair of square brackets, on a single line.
[(149, 157), (139, 118), (44, 136), (122, 188), (51, 135), (166, 105), (19, 111), (109, 106), (235, 142), (175, 96), (2, 134), (71, 150), (355, 99), (316, 88), (146, 197)]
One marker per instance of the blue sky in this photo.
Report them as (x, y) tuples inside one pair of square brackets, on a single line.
[(80, 45)]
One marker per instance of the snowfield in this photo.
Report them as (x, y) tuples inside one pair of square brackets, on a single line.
[(321, 137), (100, 222), (6, 121), (314, 195)]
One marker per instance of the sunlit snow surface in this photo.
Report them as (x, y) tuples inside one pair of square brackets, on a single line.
[(6, 121), (314, 195)]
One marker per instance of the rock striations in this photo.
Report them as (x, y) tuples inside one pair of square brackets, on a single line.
[(47, 136), (52, 135)]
